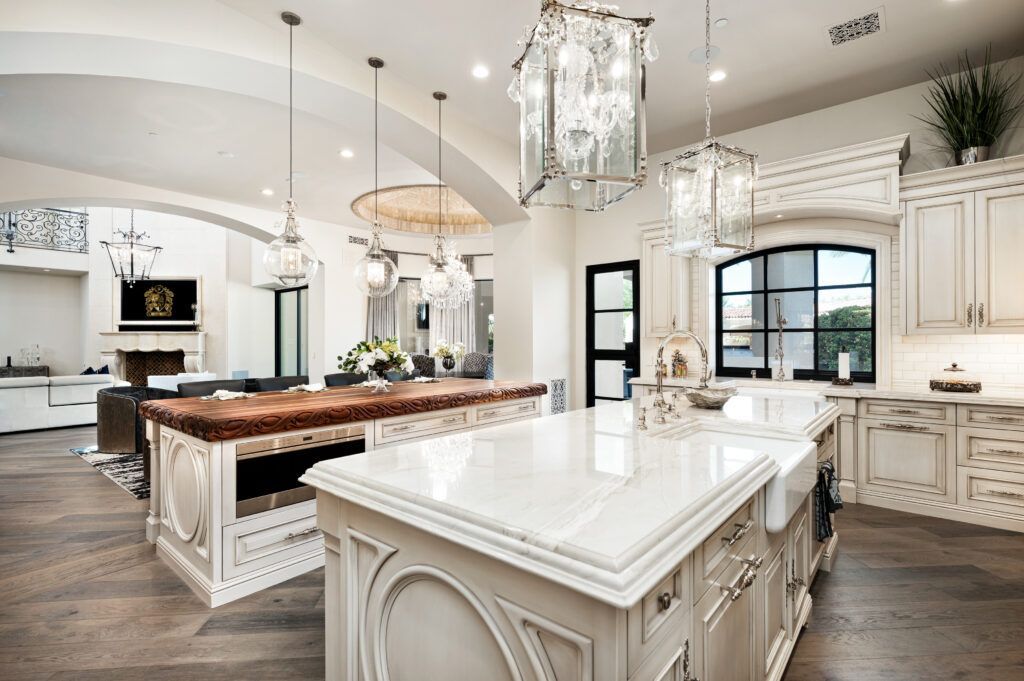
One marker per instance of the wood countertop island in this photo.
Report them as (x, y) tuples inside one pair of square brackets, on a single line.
[(279, 412), (227, 510)]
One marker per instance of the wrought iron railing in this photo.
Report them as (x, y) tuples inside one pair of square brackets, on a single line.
[(50, 228)]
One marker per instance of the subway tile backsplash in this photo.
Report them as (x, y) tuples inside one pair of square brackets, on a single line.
[(998, 360)]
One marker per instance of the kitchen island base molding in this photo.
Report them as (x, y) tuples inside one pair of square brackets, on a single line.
[(402, 602)]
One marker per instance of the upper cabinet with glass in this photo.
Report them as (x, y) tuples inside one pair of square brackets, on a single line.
[(827, 296)]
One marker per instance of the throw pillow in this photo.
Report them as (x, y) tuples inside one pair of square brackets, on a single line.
[(88, 372)]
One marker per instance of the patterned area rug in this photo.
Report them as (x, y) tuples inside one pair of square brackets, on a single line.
[(124, 469)]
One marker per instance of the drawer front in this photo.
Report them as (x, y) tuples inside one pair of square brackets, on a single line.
[(924, 412), (825, 440), (666, 665), (1008, 418), (271, 538), (725, 544), (400, 428), (503, 411), (908, 459), (991, 490), (661, 614), (1001, 450)]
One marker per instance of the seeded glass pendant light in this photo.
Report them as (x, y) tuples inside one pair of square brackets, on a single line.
[(445, 284), (289, 258), (131, 260), (375, 274), (710, 188), (580, 89)]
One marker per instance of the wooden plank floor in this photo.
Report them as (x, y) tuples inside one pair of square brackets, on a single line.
[(83, 597)]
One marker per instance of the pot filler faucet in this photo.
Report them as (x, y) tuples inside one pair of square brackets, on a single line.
[(705, 370)]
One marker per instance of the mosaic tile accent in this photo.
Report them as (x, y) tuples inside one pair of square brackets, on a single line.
[(559, 395)]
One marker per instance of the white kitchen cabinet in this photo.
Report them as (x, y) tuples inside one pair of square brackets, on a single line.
[(999, 260), (664, 291), (962, 259), (725, 629), (775, 619), (907, 459), (939, 241), (798, 545)]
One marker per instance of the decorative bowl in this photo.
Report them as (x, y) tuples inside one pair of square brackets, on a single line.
[(709, 398)]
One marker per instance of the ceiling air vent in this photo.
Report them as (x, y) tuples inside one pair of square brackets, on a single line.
[(848, 31)]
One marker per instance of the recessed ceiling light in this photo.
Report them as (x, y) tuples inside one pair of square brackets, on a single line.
[(225, 154), (481, 71), (696, 55), (721, 23), (267, 192), (346, 153), (778, 216), (717, 75), (46, 269)]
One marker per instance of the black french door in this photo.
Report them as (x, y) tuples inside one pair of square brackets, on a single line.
[(613, 330)]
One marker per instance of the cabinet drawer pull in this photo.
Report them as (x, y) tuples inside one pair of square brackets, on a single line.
[(903, 426), (489, 412), (664, 601), (981, 314), (526, 407), (1003, 419), (452, 419), (739, 533), (1005, 493), (900, 410), (747, 577), (303, 533), (1008, 452), (399, 429)]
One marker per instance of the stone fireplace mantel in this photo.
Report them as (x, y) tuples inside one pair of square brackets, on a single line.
[(115, 344)]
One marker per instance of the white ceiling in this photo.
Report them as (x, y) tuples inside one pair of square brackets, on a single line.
[(776, 53), (102, 126)]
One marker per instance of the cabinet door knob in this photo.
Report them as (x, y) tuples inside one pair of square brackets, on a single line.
[(664, 601)]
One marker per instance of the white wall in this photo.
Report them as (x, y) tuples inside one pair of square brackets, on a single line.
[(43, 309), (614, 235), (250, 313)]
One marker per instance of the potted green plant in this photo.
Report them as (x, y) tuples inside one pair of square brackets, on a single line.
[(972, 107)]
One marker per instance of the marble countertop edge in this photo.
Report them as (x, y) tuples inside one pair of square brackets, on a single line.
[(620, 583)]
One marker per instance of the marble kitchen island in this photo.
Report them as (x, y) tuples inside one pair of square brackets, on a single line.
[(227, 511), (578, 547)]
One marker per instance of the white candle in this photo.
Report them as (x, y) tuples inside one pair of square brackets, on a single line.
[(844, 365)]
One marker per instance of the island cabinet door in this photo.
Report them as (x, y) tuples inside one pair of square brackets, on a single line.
[(798, 586), (775, 609), (907, 459), (725, 636)]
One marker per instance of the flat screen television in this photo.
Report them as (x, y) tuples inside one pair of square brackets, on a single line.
[(171, 304)]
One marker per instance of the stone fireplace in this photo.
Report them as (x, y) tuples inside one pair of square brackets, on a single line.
[(135, 355)]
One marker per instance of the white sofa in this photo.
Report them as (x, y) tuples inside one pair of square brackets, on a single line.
[(50, 402)]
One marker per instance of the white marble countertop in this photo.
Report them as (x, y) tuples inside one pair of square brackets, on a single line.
[(582, 498), (1005, 397)]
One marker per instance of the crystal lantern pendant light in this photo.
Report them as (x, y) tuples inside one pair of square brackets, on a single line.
[(445, 284), (709, 188), (289, 258), (131, 260), (580, 89), (375, 274)]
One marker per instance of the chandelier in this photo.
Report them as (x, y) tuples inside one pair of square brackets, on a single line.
[(289, 258), (375, 273), (709, 188), (446, 284), (580, 89), (131, 260)]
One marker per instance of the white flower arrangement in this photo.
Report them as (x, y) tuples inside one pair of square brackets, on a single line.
[(454, 350), (376, 355)]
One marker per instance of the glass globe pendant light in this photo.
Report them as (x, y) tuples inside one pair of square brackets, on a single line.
[(710, 188), (375, 274), (289, 258), (580, 89), (131, 260), (445, 284)]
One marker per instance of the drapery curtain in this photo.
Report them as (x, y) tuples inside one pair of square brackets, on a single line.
[(382, 313), (455, 326)]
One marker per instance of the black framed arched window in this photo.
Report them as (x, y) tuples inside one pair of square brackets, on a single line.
[(827, 294)]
